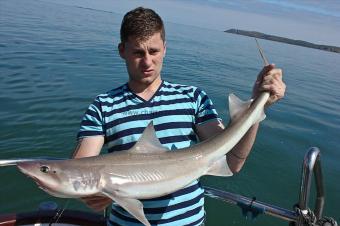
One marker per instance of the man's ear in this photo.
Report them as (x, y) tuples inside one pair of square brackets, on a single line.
[(164, 48), (121, 49)]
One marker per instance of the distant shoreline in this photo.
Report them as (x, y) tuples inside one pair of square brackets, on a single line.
[(260, 35)]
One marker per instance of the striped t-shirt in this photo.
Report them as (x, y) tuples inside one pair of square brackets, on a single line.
[(121, 117)]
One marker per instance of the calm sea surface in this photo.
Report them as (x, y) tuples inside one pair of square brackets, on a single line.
[(55, 59)]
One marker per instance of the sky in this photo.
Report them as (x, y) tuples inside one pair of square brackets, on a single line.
[(316, 21)]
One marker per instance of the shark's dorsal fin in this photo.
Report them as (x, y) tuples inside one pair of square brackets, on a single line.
[(148, 142)]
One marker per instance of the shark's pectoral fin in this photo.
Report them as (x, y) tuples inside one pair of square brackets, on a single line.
[(220, 168), (237, 106), (133, 206)]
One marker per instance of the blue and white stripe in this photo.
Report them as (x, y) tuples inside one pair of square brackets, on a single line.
[(121, 117)]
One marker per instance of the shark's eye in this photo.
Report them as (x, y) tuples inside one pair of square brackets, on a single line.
[(44, 169)]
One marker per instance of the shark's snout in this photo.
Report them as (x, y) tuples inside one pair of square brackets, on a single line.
[(38, 172), (25, 167)]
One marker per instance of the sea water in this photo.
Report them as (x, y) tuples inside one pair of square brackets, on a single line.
[(54, 60)]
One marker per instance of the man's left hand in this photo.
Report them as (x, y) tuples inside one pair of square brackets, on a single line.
[(270, 80)]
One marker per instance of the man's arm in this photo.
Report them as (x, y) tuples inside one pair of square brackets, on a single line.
[(268, 80), (238, 155), (86, 147)]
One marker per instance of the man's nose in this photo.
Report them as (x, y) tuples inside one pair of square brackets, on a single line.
[(147, 59)]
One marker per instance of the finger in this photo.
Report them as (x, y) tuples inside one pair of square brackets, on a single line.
[(275, 85), (264, 71), (274, 74), (98, 201), (274, 89), (266, 88), (271, 88), (277, 75), (270, 81), (98, 205), (93, 198)]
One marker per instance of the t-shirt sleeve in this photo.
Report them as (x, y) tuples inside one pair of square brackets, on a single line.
[(92, 122), (205, 110)]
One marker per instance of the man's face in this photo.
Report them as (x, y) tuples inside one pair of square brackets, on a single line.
[(143, 59)]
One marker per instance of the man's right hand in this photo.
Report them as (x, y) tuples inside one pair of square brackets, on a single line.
[(97, 202), (86, 147)]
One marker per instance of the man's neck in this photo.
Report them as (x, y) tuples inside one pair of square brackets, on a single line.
[(145, 91)]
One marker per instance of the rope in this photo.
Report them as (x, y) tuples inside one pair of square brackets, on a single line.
[(309, 218), (327, 221), (250, 210)]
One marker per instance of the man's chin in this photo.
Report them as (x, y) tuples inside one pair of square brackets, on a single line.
[(147, 80), (143, 80)]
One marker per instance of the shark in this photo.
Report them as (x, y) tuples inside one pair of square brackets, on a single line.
[(148, 169)]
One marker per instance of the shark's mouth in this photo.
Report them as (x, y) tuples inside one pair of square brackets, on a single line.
[(43, 186), (48, 189)]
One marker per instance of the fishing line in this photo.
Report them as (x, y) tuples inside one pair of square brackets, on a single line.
[(59, 213)]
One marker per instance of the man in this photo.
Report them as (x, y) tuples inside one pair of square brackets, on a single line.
[(182, 115)]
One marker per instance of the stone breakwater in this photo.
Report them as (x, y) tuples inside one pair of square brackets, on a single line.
[(260, 35)]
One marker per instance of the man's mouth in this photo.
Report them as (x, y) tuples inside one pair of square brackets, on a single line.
[(147, 71)]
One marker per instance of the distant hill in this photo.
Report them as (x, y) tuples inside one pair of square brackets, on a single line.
[(260, 35)]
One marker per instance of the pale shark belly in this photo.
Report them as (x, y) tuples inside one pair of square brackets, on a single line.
[(146, 182)]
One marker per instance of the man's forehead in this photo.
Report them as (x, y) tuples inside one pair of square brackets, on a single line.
[(151, 40)]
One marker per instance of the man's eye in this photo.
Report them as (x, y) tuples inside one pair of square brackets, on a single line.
[(153, 52), (139, 54), (44, 169)]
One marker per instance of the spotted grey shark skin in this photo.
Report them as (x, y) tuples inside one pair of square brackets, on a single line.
[(147, 170)]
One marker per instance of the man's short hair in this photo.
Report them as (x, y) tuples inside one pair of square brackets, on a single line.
[(141, 23)]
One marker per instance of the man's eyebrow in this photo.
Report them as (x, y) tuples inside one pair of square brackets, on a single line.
[(137, 49), (154, 48)]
